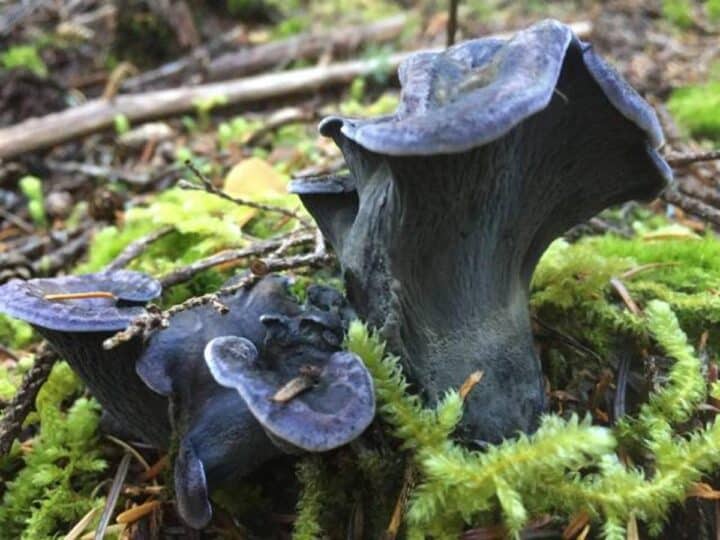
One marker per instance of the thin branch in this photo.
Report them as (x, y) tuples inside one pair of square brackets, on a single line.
[(682, 160), (17, 221), (64, 255), (23, 401), (692, 206), (136, 248), (209, 187), (186, 273), (154, 319)]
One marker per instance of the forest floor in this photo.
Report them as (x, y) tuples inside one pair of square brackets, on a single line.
[(93, 168)]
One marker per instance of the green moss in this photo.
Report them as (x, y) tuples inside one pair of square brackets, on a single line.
[(32, 189), (678, 12), (565, 467), (24, 56), (54, 487), (713, 10), (697, 108), (14, 333), (571, 287)]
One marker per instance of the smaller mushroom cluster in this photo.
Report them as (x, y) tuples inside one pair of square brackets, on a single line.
[(233, 390)]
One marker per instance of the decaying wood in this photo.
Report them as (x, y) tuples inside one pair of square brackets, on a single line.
[(693, 206), (23, 401), (99, 114), (267, 56), (305, 46)]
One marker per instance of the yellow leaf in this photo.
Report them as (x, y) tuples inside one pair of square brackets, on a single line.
[(254, 178)]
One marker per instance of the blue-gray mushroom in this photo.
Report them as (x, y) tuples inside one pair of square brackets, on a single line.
[(496, 148), (76, 327), (219, 438)]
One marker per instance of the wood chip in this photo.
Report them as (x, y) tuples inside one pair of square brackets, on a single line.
[(467, 386), (135, 513)]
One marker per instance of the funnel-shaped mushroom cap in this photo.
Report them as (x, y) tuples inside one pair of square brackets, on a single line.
[(477, 91), (330, 410), (496, 149), (77, 327), (26, 300)]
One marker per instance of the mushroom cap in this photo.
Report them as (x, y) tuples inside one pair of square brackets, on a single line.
[(25, 300), (173, 360), (336, 410), (477, 91)]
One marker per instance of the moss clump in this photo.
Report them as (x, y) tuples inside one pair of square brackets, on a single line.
[(567, 466), (571, 287), (54, 487), (697, 108), (14, 333)]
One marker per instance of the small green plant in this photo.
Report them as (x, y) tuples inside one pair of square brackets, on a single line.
[(15, 333), (311, 475), (121, 124), (697, 108), (713, 10), (678, 12), (24, 56), (54, 487), (205, 106), (31, 187), (236, 131)]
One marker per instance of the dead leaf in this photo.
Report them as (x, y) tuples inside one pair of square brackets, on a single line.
[(254, 178)]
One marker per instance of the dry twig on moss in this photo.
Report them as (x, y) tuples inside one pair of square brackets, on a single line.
[(258, 249), (693, 206), (155, 319)]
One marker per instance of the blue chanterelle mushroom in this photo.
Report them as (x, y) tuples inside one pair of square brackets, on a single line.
[(496, 149), (76, 314)]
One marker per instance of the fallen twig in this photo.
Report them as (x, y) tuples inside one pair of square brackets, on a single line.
[(113, 496), (98, 114), (283, 117), (682, 160), (258, 249), (136, 248), (303, 47), (692, 206), (64, 255), (207, 185), (154, 319), (23, 401), (700, 191)]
